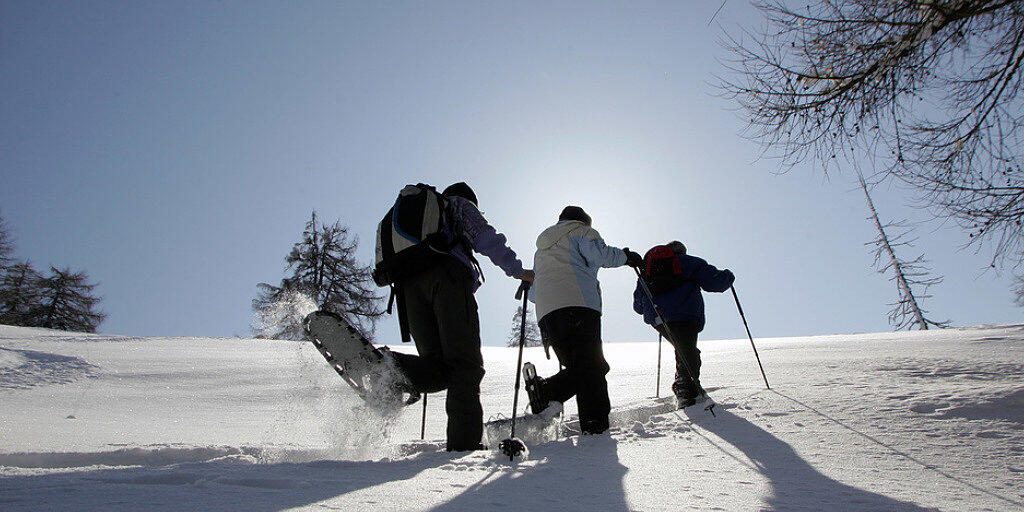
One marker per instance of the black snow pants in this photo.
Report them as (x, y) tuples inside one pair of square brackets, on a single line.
[(575, 335), (443, 321), (684, 341)]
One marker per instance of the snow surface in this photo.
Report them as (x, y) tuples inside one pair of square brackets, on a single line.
[(886, 421)]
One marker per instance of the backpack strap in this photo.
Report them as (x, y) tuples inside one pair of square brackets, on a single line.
[(403, 317), (458, 238), (391, 299)]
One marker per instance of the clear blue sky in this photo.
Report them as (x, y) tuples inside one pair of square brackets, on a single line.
[(175, 149)]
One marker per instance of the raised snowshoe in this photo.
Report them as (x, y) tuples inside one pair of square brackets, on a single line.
[(370, 371)]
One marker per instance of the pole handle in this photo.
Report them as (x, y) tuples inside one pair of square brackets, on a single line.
[(524, 288)]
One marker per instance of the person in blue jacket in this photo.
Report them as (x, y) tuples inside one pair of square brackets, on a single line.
[(682, 305)]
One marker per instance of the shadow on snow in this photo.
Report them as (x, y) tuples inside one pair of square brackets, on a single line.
[(209, 486), (796, 484), (562, 477)]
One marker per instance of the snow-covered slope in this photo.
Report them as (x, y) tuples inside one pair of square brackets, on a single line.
[(886, 421)]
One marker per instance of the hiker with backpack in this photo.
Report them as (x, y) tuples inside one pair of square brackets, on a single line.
[(568, 298), (425, 250), (676, 279)]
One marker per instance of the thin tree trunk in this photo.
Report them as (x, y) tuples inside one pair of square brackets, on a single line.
[(901, 281)]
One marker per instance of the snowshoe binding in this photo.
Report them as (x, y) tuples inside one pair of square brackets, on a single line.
[(684, 401), (534, 388)]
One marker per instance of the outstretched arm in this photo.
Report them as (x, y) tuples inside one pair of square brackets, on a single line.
[(599, 254), (484, 239), (711, 279)]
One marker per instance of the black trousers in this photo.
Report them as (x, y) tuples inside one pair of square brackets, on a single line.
[(684, 341), (443, 321), (575, 335)]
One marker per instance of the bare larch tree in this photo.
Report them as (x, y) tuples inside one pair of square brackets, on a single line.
[(325, 273), (929, 90), (19, 293), (907, 274), (6, 246), (66, 302)]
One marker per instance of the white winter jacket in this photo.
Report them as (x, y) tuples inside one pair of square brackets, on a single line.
[(568, 256)]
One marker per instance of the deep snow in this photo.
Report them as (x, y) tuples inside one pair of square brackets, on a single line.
[(882, 421)]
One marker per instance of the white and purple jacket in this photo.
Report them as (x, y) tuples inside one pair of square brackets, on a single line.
[(468, 222)]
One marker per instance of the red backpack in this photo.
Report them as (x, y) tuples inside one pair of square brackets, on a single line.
[(662, 269)]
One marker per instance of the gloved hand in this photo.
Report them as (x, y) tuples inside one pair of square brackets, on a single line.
[(633, 259)]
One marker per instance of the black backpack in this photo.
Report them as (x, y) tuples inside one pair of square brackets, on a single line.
[(663, 271), (412, 236)]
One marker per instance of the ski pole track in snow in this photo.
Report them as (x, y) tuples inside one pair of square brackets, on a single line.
[(928, 466)]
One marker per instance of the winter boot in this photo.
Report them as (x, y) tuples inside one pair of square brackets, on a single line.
[(691, 397), (683, 402), (534, 388)]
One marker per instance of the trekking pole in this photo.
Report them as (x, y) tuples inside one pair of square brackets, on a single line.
[(740, 308), (657, 382), (423, 424), (512, 446), (672, 339)]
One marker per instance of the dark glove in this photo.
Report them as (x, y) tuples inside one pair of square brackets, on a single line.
[(633, 259)]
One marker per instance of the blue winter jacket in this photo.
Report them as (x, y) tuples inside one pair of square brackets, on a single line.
[(684, 303)]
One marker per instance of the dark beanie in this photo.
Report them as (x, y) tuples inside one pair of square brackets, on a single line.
[(462, 190), (574, 213), (677, 247)]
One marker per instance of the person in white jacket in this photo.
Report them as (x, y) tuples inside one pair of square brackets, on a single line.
[(568, 298)]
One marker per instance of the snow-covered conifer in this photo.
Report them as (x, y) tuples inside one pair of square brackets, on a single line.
[(533, 338)]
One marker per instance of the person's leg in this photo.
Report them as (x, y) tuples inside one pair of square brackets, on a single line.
[(590, 368), (556, 329), (426, 371), (458, 324), (684, 341)]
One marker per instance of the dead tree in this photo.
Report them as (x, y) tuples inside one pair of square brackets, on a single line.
[(930, 90), (906, 312)]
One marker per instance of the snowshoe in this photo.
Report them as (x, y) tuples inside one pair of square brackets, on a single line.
[(683, 402), (370, 371)]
